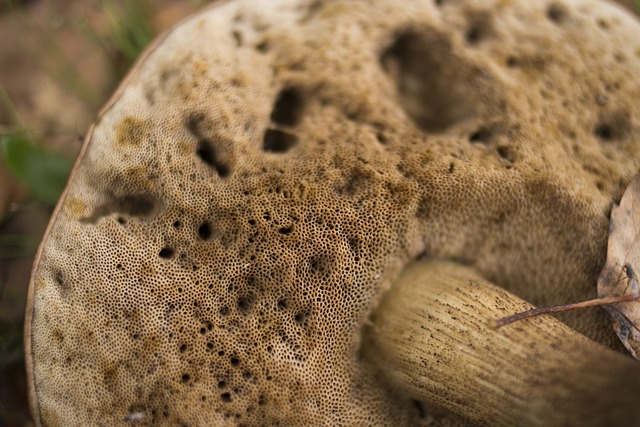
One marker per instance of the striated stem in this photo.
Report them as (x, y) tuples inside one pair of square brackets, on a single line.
[(431, 337)]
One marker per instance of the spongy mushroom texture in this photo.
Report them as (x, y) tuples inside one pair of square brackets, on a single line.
[(265, 172)]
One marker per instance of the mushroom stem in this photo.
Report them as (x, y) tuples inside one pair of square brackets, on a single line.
[(430, 336)]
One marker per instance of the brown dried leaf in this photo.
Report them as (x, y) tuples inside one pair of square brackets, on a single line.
[(618, 277)]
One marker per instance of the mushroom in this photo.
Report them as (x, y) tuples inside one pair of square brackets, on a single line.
[(267, 169), (432, 325)]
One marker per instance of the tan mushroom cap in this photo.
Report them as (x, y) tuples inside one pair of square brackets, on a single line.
[(268, 168)]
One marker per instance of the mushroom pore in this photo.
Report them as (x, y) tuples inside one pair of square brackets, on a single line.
[(267, 169)]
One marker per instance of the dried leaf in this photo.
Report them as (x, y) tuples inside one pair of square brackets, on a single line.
[(618, 277)]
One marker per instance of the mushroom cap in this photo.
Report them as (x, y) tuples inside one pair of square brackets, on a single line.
[(267, 169)]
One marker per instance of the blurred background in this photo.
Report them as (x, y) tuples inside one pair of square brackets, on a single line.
[(59, 62)]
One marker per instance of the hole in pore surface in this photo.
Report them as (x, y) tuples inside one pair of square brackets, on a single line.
[(557, 12), (288, 108), (166, 253), (301, 317), (505, 153), (604, 132), (283, 304), (480, 136), (207, 154), (480, 27), (382, 138), (613, 126), (436, 88), (320, 265), (205, 231), (278, 141), (286, 230), (245, 303), (213, 149), (474, 35)]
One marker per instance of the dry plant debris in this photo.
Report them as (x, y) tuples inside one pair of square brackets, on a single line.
[(619, 276)]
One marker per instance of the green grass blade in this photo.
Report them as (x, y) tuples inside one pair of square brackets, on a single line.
[(42, 171), (10, 343), (13, 246)]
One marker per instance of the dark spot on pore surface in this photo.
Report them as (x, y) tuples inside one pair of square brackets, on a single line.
[(237, 37), (59, 279), (132, 131), (138, 205), (263, 46)]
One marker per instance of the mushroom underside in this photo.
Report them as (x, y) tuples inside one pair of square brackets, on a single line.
[(268, 168)]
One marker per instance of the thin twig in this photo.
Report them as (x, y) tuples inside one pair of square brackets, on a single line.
[(496, 323)]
